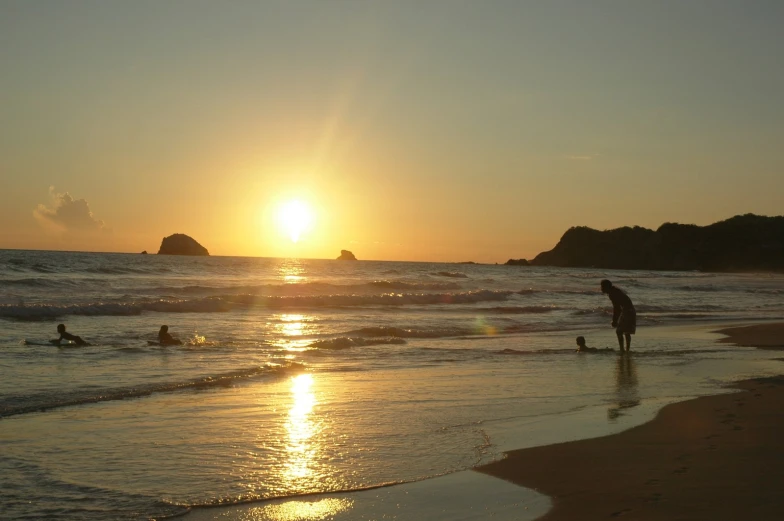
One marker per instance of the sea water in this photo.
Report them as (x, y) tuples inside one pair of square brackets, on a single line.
[(312, 376)]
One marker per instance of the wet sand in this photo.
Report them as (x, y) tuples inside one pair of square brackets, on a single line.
[(712, 458), (764, 336)]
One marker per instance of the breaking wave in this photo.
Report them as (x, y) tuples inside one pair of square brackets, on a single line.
[(349, 342), (399, 284), (15, 405), (307, 288), (453, 274), (397, 332), (517, 310), (232, 302)]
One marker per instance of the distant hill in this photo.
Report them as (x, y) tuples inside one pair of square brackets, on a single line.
[(181, 244), (742, 243)]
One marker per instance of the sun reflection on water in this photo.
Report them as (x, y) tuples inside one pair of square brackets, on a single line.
[(290, 328), (292, 271)]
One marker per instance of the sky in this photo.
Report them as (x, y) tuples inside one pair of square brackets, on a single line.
[(441, 130)]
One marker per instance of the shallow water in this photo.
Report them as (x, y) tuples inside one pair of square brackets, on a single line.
[(317, 376)]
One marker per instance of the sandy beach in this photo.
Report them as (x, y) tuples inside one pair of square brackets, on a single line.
[(713, 458)]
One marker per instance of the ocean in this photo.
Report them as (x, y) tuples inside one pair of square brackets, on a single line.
[(312, 376)]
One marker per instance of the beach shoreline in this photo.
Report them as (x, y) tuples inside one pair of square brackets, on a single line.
[(591, 483), (713, 457)]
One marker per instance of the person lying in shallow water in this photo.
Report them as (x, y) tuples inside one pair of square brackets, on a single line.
[(64, 335), (582, 348), (165, 339)]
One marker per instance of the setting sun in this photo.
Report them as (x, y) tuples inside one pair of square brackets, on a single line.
[(294, 218)]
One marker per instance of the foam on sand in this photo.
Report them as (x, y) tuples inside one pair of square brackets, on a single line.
[(464, 495)]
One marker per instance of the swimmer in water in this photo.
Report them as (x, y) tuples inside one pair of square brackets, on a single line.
[(165, 339), (64, 335)]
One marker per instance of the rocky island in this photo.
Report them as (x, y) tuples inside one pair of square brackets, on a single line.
[(346, 255), (181, 244), (742, 243)]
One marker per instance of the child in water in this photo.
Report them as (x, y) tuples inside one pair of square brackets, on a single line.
[(68, 336), (582, 348), (165, 339)]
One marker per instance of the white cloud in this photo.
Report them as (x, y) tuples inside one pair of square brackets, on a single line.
[(67, 214)]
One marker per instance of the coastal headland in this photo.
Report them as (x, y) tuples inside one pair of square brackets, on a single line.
[(711, 458), (742, 243)]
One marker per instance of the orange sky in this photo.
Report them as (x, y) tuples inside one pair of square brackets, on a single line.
[(445, 131)]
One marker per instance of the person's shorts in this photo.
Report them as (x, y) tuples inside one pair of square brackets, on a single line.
[(627, 322)]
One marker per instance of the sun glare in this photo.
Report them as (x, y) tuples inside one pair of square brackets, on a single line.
[(294, 218)]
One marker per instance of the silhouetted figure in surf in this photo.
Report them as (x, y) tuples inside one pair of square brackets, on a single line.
[(68, 336), (624, 315), (582, 348), (165, 339)]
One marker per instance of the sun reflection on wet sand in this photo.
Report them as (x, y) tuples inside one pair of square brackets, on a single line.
[(297, 510), (301, 452)]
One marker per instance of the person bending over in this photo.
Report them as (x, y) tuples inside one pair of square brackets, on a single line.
[(624, 315)]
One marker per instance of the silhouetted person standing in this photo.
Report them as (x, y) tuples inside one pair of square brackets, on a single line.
[(624, 315)]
